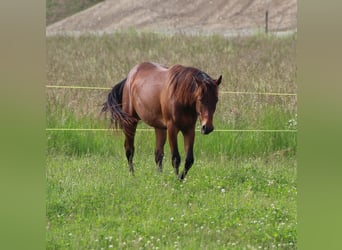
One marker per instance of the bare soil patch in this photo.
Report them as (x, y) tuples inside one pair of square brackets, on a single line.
[(199, 16)]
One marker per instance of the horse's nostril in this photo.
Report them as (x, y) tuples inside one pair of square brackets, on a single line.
[(206, 130), (203, 129)]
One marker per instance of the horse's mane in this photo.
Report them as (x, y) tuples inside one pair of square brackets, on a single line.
[(183, 83)]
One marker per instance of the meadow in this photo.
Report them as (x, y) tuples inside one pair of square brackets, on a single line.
[(242, 189)]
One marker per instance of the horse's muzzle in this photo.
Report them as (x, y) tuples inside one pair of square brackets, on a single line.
[(206, 130)]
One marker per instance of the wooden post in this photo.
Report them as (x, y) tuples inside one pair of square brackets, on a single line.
[(266, 22)]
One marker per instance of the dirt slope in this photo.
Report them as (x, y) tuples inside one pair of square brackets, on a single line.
[(194, 16)]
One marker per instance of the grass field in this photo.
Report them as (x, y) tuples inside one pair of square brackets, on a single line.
[(241, 191)]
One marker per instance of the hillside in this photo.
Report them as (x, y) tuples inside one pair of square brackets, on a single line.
[(200, 16), (57, 10)]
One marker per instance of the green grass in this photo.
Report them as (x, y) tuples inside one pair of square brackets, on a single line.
[(241, 191), (93, 202)]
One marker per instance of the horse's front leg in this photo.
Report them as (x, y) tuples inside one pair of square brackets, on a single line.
[(160, 142), (189, 138), (172, 135)]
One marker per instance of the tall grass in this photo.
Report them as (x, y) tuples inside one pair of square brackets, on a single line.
[(241, 191), (260, 64)]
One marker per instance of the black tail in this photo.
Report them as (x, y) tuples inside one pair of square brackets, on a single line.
[(114, 106)]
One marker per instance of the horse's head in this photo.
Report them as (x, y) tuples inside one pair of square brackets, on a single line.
[(206, 99)]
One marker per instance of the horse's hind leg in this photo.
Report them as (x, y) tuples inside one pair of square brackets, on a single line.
[(129, 145), (160, 142)]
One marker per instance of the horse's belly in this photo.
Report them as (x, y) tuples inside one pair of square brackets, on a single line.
[(149, 113), (151, 119), (146, 98), (156, 123)]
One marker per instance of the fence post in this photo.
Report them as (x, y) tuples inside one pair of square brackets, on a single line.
[(266, 22)]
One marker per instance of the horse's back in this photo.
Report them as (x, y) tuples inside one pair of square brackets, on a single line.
[(145, 85)]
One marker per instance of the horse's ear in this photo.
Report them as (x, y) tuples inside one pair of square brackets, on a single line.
[(218, 81)]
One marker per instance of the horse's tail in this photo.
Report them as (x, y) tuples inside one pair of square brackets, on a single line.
[(119, 118)]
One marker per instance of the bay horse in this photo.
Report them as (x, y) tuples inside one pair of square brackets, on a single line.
[(169, 99)]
